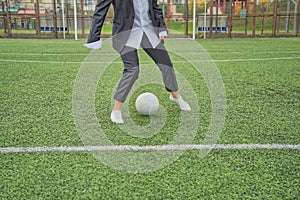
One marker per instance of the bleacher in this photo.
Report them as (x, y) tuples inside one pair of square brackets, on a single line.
[(214, 28), (51, 28)]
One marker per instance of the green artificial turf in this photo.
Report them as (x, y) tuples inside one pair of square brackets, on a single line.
[(261, 79)]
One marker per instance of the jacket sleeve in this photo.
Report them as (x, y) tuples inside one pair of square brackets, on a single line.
[(98, 18), (158, 16)]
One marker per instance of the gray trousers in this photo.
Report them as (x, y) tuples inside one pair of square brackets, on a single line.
[(131, 68)]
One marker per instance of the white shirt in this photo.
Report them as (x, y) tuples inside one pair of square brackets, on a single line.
[(143, 24)]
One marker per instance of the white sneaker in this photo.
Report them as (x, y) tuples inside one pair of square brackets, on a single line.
[(182, 103), (116, 117), (94, 45)]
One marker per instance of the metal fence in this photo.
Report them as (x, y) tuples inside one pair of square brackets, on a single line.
[(212, 18)]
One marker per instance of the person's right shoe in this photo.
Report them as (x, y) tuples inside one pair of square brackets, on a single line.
[(182, 103), (116, 117)]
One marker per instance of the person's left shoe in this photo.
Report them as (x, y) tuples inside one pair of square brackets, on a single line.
[(116, 117), (182, 103), (94, 45)]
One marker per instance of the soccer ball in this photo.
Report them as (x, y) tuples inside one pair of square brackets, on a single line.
[(147, 104)]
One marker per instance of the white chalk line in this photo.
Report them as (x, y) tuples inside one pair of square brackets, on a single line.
[(54, 62), (178, 52), (55, 54), (103, 62), (149, 148)]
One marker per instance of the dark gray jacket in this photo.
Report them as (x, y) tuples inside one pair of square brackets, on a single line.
[(123, 20)]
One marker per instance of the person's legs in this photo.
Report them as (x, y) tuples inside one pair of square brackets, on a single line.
[(162, 59), (130, 75)]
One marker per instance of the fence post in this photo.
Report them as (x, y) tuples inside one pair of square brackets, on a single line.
[(254, 18), (217, 5), (186, 17), (168, 15), (246, 17), (68, 17), (82, 19), (8, 21), (3, 10), (230, 19), (274, 27), (288, 12), (262, 19), (55, 19), (211, 3), (37, 21), (298, 18)]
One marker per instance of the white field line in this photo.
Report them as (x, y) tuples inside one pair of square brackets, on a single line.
[(74, 62), (55, 54), (178, 52), (149, 148), (53, 62)]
